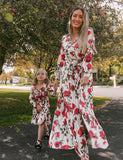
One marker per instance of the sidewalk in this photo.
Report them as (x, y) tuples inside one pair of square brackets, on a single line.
[(17, 142)]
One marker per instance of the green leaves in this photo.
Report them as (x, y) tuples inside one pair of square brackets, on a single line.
[(9, 17)]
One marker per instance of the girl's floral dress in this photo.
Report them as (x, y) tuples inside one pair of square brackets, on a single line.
[(74, 118), (40, 97)]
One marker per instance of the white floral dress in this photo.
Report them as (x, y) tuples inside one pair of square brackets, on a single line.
[(40, 97), (74, 117)]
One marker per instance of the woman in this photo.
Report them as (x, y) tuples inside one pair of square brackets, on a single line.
[(74, 119)]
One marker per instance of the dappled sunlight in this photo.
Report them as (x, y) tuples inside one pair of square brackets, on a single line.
[(3, 156), (7, 139), (109, 155)]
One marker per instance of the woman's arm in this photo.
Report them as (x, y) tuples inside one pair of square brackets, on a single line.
[(87, 61)]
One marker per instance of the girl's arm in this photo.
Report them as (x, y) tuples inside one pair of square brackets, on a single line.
[(32, 98)]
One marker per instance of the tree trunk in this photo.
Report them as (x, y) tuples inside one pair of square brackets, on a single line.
[(98, 75), (2, 57), (109, 70)]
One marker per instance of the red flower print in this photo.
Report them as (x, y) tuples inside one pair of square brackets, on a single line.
[(63, 57), (53, 127), (89, 32), (77, 69), (56, 144), (72, 87), (89, 90), (76, 146), (67, 39), (104, 142), (81, 110), (67, 106), (71, 128), (91, 134), (76, 111), (61, 64), (57, 113), (73, 106), (86, 115), (72, 53), (65, 147), (73, 76), (102, 134), (96, 144), (89, 66), (80, 131), (96, 121), (83, 94), (55, 122), (82, 69), (74, 133), (79, 54), (88, 58), (57, 134), (90, 41), (83, 142), (81, 103), (65, 121), (92, 124), (43, 88), (66, 93), (64, 114), (76, 46)]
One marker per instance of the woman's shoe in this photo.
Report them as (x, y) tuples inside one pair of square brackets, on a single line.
[(46, 137)]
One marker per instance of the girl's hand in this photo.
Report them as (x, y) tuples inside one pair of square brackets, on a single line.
[(84, 81), (55, 85), (39, 108)]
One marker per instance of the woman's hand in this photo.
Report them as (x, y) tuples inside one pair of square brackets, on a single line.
[(39, 108), (55, 85), (84, 81)]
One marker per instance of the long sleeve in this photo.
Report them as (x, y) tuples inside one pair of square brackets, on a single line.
[(60, 63), (87, 61), (51, 90), (32, 98)]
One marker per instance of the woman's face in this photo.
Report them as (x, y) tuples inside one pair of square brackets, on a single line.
[(77, 19)]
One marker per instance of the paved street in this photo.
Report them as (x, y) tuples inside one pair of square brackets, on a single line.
[(17, 142), (111, 92), (101, 91)]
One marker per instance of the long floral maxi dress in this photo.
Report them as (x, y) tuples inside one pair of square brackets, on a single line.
[(74, 116), (40, 97)]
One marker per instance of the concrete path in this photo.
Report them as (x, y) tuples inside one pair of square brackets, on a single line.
[(17, 142)]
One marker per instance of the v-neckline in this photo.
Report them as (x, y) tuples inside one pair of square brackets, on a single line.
[(40, 87)]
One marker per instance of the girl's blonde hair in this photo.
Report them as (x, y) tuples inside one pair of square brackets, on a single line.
[(35, 81), (83, 32)]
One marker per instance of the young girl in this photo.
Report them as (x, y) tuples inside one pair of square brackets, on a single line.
[(40, 101)]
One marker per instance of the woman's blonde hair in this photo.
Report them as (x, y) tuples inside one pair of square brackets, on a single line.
[(35, 81), (83, 32)]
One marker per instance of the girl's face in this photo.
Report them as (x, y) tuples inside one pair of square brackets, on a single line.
[(41, 75), (77, 19)]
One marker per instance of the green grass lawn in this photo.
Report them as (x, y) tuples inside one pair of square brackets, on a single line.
[(16, 109)]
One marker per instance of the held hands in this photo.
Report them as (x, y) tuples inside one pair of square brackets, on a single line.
[(39, 108), (84, 81), (55, 85)]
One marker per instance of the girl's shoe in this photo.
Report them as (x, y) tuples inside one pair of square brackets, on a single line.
[(38, 144)]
